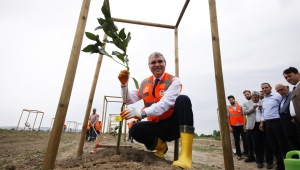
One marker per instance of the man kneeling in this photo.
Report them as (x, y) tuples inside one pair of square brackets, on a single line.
[(169, 114)]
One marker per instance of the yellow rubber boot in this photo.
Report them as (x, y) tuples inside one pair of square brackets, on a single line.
[(161, 148), (185, 159)]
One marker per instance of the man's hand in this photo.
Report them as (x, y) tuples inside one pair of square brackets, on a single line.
[(230, 129), (255, 106), (123, 77), (261, 126), (131, 113)]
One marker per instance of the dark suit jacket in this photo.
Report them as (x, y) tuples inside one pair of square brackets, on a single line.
[(296, 101), (289, 128)]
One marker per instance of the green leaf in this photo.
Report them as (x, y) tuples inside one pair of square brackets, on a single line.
[(119, 55), (101, 20), (107, 41), (95, 49), (118, 43), (91, 36), (103, 52), (122, 34), (136, 83), (126, 41), (98, 28), (111, 24), (116, 53), (108, 31), (88, 48), (105, 9)]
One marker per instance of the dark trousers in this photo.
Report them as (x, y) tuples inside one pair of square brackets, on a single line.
[(167, 130), (87, 134), (257, 138), (237, 132), (92, 134), (267, 147), (129, 136), (277, 140), (249, 143), (293, 141), (297, 127)]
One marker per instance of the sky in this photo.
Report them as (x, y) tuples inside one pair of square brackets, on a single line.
[(258, 40)]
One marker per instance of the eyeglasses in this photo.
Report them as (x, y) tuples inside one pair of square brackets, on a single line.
[(159, 62), (278, 91)]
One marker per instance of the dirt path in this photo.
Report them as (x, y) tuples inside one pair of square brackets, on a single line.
[(25, 150)]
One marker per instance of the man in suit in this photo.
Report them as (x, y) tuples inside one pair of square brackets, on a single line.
[(289, 128), (252, 109), (293, 77), (251, 157)]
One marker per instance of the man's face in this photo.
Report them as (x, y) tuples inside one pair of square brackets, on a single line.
[(266, 89), (282, 90), (231, 101), (292, 78), (255, 98), (157, 66), (247, 95), (94, 110), (262, 95)]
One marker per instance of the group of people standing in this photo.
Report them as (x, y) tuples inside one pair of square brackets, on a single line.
[(267, 122)]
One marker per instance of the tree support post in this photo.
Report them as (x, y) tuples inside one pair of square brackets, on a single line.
[(225, 137), (53, 144), (176, 143), (90, 103)]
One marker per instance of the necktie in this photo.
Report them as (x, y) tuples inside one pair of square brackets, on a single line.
[(155, 84)]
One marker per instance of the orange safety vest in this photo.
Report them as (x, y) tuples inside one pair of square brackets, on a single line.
[(236, 116), (95, 117), (98, 125), (145, 92)]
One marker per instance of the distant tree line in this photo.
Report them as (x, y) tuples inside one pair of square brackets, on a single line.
[(215, 135)]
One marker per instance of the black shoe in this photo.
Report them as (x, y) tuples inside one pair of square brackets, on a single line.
[(245, 154), (260, 165), (250, 159), (269, 166), (279, 168)]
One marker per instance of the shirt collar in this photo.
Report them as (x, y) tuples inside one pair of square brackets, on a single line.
[(158, 78)]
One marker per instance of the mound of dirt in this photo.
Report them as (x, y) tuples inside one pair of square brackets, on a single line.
[(107, 158)]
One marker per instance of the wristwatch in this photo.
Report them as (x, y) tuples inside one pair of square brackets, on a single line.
[(143, 114)]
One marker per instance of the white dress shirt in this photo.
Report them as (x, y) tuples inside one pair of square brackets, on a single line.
[(165, 103)]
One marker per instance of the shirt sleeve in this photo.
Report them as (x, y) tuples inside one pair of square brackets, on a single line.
[(132, 95), (167, 101), (262, 112)]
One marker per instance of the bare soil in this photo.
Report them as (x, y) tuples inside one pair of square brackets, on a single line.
[(25, 150)]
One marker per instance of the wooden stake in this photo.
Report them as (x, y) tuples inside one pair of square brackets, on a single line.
[(227, 151), (103, 116), (20, 119), (182, 12), (26, 120), (65, 95), (144, 23), (176, 143), (90, 102), (41, 121)]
